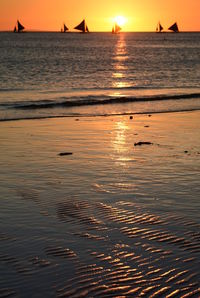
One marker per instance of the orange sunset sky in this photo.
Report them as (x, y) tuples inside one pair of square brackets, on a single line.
[(140, 15)]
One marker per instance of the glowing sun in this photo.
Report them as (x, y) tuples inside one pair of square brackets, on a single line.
[(120, 20)]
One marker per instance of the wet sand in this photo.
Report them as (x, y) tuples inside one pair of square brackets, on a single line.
[(107, 217)]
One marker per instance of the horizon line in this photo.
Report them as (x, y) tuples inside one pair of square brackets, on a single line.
[(57, 31)]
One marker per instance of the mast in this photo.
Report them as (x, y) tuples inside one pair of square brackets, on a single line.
[(82, 27), (174, 27)]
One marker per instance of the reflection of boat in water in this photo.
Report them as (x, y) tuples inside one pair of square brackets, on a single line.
[(64, 28), (174, 28), (19, 27), (159, 28), (116, 29), (82, 27)]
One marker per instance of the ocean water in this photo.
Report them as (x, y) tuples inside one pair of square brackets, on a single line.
[(54, 74)]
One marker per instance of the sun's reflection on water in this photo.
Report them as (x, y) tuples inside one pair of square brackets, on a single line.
[(119, 70), (119, 142), (120, 135)]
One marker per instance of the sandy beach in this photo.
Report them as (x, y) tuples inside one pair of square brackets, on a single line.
[(115, 215)]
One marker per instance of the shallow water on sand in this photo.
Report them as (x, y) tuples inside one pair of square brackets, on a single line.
[(112, 219)]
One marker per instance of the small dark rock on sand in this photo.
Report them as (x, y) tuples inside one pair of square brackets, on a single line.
[(143, 143), (65, 153), (131, 117)]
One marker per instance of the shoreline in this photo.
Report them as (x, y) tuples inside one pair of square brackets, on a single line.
[(100, 115)]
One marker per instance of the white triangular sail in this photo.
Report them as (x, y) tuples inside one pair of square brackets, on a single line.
[(159, 27), (174, 27), (116, 28), (82, 27), (19, 27), (65, 28)]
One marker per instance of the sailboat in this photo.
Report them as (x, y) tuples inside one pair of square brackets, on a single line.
[(174, 28), (159, 28), (116, 29), (82, 27), (64, 28), (19, 27)]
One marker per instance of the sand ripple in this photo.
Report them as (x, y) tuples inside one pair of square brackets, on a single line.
[(105, 249)]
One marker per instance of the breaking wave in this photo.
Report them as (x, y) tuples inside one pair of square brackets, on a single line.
[(94, 100)]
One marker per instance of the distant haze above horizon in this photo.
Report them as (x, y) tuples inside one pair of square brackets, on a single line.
[(139, 15)]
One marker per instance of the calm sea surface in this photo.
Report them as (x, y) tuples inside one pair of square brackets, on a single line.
[(54, 74)]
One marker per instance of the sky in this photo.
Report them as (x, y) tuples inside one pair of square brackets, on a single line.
[(140, 15)]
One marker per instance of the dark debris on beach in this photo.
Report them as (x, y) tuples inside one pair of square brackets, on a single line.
[(65, 153), (143, 143)]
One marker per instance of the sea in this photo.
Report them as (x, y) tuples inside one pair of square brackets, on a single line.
[(58, 75)]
